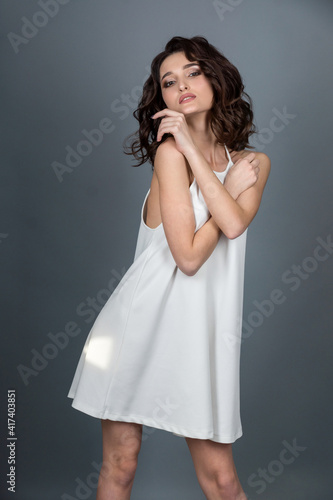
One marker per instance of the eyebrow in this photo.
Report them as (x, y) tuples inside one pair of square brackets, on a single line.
[(184, 67)]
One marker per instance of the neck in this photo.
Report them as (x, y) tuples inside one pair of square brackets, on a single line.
[(202, 135)]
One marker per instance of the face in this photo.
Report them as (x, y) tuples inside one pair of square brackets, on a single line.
[(179, 76)]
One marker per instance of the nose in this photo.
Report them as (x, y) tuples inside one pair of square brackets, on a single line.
[(183, 86)]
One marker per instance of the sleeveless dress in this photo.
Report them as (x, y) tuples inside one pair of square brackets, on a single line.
[(164, 350)]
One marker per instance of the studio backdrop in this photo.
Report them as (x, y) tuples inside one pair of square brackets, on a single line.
[(72, 75)]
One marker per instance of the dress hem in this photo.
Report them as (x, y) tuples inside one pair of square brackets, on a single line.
[(149, 422)]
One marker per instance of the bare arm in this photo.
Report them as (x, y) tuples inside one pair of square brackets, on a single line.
[(232, 211), (190, 249)]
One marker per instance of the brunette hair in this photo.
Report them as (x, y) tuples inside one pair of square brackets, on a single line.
[(231, 115)]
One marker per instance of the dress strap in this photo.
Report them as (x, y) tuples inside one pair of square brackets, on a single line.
[(229, 157)]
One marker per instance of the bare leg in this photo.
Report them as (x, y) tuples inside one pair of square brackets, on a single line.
[(121, 446), (215, 469)]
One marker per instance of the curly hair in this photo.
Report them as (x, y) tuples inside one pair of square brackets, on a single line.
[(231, 115)]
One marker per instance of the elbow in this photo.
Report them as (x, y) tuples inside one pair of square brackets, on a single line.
[(191, 271), (235, 230), (232, 235), (188, 267), (238, 225)]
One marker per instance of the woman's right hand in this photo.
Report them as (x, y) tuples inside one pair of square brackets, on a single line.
[(242, 175)]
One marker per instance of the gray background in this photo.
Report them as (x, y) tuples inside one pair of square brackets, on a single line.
[(62, 242)]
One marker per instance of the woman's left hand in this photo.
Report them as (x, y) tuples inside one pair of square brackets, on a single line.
[(174, 123)]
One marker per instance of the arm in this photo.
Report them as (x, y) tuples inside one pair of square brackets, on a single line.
[(232, 212), (190, 249)]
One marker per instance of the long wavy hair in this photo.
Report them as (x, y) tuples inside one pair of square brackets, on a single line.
[(231, 114)]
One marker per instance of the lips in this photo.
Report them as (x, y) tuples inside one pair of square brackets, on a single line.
[(186, 95)]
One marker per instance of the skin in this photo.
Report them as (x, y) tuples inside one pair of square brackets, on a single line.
[(191, 152)]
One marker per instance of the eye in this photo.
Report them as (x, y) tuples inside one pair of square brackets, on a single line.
[(166, 84), (195, 73)]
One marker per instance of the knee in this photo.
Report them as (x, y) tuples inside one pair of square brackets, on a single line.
[(125, 472), (226, 484), (221, 484), (119, 469)]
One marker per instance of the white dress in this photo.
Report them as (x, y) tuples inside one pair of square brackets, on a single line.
[(165, 349)]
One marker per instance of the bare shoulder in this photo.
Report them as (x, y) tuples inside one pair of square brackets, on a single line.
[(259, 154), (264, 165), (168, 147), (169, 162), (262, 157), (265, 161)]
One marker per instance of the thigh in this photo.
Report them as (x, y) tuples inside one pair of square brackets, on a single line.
[(211, 459), (121, 440)]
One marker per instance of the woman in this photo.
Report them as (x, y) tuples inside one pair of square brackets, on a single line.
[(164, 351)]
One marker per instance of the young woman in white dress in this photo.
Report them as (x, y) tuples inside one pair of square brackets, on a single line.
[(203, 109)]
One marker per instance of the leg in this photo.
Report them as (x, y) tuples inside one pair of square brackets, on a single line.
[(215, 469), (121, 446)]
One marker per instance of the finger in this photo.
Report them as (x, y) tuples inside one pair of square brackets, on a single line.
[(257, 171), (165, 112), (167, 121), (165, 125), (167, 130), (168, 125), (236, 159), (161, 131), (250, 156)]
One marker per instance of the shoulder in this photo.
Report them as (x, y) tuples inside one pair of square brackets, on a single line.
[(168, 154), (262, 157), (169, 162), (245, 152), (265, 161), (259, 154), (168, 147), (264, 164), (264, 167)]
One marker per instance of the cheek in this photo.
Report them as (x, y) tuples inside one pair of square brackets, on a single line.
[(166, 96), (163, 95), (206, 86)]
